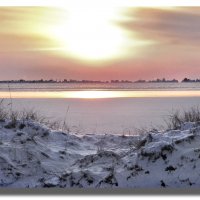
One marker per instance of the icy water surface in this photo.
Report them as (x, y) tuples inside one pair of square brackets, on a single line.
[(104, 108)]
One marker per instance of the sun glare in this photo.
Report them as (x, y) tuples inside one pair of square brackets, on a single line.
[(100, 94), (88, 31), (92, 94)]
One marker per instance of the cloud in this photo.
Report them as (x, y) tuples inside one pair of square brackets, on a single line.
[(175, 26), (23, 28)]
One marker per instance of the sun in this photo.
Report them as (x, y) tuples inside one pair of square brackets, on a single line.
[(88, 31)]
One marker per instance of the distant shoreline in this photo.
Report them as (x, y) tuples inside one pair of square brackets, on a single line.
[(185, 80)]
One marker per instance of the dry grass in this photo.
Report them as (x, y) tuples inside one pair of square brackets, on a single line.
[(3, 112), (178, 118), (27, 115)]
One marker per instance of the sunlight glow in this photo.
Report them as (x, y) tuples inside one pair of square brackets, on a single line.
[(100, 94), (89, 31), (115, 2)]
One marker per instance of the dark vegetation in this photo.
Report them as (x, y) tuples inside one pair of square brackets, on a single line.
[(158, 80)]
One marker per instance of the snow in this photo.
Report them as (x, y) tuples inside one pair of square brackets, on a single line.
[(33, 155)]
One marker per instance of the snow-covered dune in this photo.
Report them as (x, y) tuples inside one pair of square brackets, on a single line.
[(32, 155)]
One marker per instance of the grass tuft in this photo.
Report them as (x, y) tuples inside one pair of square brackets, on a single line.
[(178, 118), (3, 112), (27, 115)]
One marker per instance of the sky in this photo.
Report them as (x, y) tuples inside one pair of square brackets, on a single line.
[(99, 40)]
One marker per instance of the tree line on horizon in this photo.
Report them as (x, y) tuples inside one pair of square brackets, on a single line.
[(163, 80)]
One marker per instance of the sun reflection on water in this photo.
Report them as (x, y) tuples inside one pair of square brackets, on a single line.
[(97, 94)]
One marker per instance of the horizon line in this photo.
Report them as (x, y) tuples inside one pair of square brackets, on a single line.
[(57, 80)]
